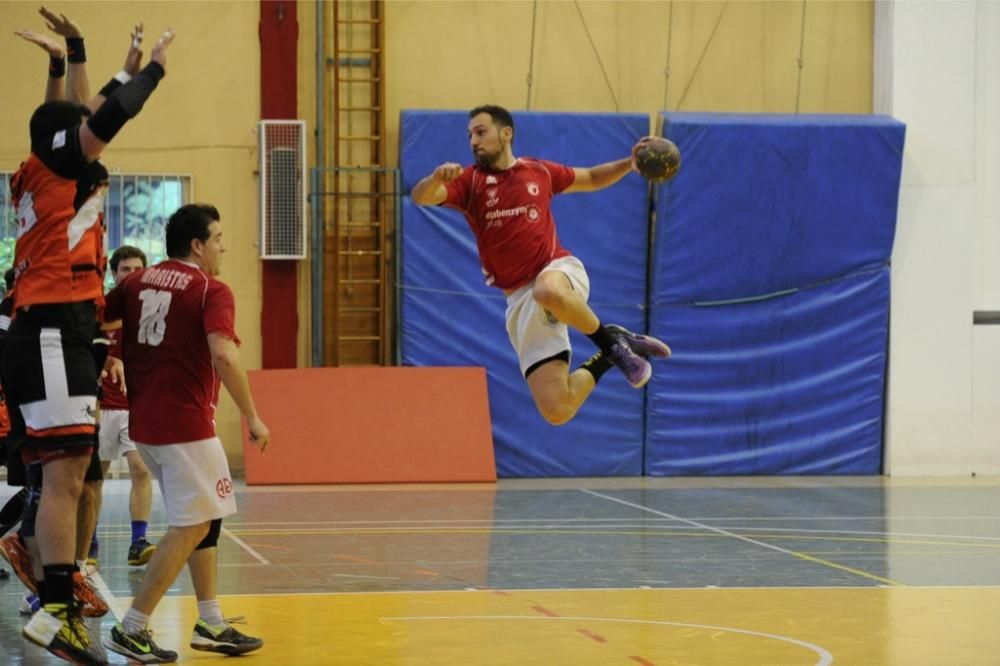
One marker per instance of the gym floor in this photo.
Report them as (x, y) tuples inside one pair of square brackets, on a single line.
[(722, 571)]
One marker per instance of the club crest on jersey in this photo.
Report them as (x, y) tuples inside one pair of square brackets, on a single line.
[(534, 214), (491, 180), (491, 197), (533, 189)]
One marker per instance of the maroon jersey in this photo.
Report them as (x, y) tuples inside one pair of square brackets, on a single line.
[(509, 211), (112, 396), (167, 312)]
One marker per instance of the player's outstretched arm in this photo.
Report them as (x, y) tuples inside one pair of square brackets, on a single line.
[(431, 190), (125, 102), (226, 358), (77, 83), (55, 88), (589, 179), (133, 63)]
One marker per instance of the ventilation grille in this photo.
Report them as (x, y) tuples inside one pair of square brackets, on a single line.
[(282, 189)]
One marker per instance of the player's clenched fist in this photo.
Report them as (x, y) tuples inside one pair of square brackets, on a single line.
[(447, 172)]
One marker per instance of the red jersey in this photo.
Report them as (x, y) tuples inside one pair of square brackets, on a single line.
[(59, 255), (113, 398), (510, 214), (167, 312)]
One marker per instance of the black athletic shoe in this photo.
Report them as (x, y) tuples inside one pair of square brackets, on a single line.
[(140, 552), (138, 646), (223, 638)]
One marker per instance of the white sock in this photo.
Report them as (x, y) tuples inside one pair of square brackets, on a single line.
[(81, 566), (210, 612), (134, 621)]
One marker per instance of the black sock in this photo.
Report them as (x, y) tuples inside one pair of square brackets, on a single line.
[(58, 583), (597, 365), (604, 340)]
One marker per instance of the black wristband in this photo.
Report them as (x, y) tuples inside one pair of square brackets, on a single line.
[(57, 67), (154, 70), (110, 87), (75, 51)]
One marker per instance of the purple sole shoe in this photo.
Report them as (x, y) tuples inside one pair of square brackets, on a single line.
[(643, 345)]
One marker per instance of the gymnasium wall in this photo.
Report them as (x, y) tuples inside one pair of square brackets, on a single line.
[(943, 392), (724, 57)]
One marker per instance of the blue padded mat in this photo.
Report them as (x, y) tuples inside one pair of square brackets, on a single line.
[(788, 385), (765, 203)]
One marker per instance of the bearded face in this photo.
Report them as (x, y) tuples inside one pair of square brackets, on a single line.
[(487, 140)]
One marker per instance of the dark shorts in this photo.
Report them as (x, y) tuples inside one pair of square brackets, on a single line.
[(49, 375), (12, 445)]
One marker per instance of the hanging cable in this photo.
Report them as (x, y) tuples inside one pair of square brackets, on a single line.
[(600, 63), (701, 58), (801, 61), (666, 65), (531, 54)]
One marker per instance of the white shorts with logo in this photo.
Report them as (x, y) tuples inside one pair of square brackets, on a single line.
[(194, 479), (113, 438), (534, 333)]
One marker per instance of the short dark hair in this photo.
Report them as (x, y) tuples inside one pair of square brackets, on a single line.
[(126, 252), (52, 117), (500, 116), (190, 222), (8, 278)]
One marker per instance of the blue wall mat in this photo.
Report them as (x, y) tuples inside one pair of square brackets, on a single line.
[(764, 203), (450, 318), (788, 385)]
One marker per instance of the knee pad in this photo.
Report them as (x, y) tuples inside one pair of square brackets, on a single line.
[(211, 539)]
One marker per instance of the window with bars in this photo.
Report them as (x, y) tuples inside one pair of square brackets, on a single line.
[(136, 211)]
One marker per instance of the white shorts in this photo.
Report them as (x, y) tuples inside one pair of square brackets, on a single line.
[(194, 480), (534, 333), (113, 438)]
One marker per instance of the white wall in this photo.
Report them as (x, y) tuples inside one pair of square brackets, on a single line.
[(937, 70)]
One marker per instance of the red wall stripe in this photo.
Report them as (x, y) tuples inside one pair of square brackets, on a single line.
[(279, 35)]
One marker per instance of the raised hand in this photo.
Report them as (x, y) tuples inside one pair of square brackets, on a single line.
[(133, 61), (46, 43), (159, 54), (60, 24)]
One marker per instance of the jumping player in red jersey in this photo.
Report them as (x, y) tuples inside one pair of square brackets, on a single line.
[(178, 342), (48, 367), (506, 201)]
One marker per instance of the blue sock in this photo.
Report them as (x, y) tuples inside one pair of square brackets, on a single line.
[(138, 530)]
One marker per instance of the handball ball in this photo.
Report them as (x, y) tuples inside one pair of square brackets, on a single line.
[(658, 160)]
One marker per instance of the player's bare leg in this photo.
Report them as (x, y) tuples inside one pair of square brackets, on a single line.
[(212, 632), (558, 393), (554, 292), (132, 637), (140, 499)]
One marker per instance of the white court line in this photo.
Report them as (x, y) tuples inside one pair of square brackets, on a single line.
[(515, 590), (243, 544), (825, 658), (343, 575), (762, 544), (109, 597)]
